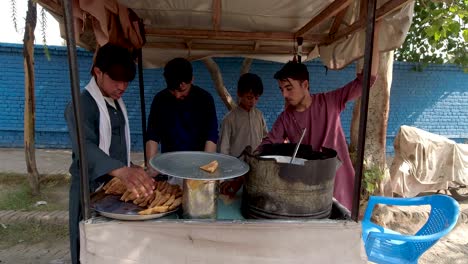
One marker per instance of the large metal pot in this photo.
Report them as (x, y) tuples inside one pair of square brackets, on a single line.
[(274, 188)]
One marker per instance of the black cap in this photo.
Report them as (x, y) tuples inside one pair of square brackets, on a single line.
[(115, 61)]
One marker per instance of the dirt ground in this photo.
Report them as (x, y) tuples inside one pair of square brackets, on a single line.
[(451, 249), (31, 244)]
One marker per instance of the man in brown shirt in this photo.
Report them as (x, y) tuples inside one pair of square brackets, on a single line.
[(244, 125)]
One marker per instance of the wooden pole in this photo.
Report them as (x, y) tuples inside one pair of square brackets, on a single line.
[(29, 98)]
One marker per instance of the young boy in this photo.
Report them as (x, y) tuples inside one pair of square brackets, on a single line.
[(244, 125)]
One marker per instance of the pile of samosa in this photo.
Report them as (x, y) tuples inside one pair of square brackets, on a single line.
[(164, 198)]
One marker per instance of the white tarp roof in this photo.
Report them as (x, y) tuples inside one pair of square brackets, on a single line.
[(262, 29)]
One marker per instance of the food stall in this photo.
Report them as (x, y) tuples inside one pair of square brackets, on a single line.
[(339, 31)]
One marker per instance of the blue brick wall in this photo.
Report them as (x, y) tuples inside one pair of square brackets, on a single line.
[(435, 100)]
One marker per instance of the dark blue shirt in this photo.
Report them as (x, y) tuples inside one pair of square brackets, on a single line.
[(183, 125)]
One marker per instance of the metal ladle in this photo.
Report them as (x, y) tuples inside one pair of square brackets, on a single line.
[(297, 146)]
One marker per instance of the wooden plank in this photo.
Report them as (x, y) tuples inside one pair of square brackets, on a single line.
[(256, 45), (386, 8), (216, 14), (332, 10), (231, 35), (337, 22), (52, 6), (363, 9), (261, 242), (264, 49)]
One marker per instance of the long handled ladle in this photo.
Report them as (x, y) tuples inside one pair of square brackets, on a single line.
[(297, 146)]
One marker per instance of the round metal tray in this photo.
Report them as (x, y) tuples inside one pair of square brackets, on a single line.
[(186, 165), (111, 206)]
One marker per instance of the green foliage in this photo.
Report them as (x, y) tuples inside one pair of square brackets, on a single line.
[(15, 193), (438, 34), (372, 178)]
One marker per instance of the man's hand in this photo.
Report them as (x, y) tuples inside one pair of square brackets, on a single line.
[(231, 187), (135, 179), (151, 172)]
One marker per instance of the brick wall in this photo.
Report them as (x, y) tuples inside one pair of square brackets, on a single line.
[(435, 100)]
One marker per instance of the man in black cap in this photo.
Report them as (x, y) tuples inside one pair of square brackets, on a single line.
[(107, 134)]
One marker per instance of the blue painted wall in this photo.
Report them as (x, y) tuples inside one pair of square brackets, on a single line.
[(435, 100)]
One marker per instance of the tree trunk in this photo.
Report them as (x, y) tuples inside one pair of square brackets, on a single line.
[(29, 100), (218, 82), (377, 120)]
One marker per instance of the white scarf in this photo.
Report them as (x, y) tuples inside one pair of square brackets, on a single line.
[(105, 128)]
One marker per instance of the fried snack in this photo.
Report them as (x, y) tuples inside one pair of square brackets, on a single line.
[(210, 167), (162, 185), (139, 200), (125, 195), (175, 204), (114, 180), (157, 197), (147, 201), (115, 187), (167, 187), (131, 197), (170, 201), (156, 184), (165, 198), (154, 210)]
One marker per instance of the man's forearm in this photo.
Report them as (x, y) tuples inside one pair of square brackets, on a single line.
[(151, 150)]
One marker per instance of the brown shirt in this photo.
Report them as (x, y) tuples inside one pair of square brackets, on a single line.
[(240, 129)]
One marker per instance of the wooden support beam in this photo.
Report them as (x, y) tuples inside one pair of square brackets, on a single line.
[(217, 78), (337, 22), (363, 9), (52, 6), (231, 35), (256, 45), (216, 14), (332, 10), (231, 48), (386, 8)]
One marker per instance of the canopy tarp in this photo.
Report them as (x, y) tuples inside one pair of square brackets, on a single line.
[(261, 29)]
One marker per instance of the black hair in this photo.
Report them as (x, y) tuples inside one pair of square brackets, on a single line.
[(250, 82), (115, 61), (294, 70), (176, 71)]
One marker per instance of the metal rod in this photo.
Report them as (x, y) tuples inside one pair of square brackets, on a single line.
[(370, 23), (75, 92), (298, 145), (142, 100)]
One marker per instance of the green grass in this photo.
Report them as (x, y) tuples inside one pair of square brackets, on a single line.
[(13, 234), (15, 192)]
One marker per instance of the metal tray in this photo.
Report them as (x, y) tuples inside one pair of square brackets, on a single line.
[(111, 206), (186, 165)]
